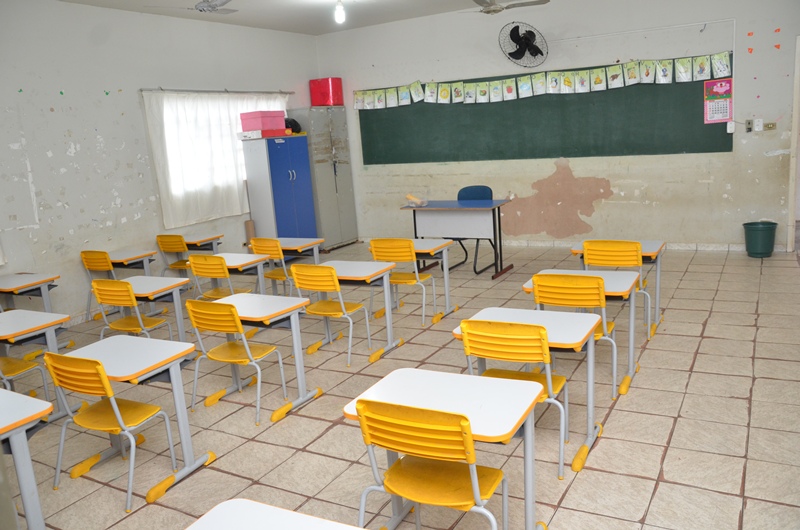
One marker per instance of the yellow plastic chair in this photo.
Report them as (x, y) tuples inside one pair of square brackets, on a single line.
[(401, 251), (214, 268), (322, 279), (438, 464), (620, 254), (223, 318), (174, 244), (96, 261), (579, 292), (110, 415), (118, 293), (12, 369), (278, 273), (519, 343)]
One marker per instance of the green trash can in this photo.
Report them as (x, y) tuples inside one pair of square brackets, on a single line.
[(759, 238)]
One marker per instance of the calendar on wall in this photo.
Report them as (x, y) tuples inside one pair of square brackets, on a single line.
[(718, 100)]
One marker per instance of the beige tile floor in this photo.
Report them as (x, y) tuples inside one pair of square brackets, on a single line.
[(706, 438)]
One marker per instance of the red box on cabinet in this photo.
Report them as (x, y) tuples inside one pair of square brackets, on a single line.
[(263, 120), (326, 92)]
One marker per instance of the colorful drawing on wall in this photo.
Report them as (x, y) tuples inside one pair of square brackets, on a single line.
[(718, 96), (391, 98), (358, 100), (470, 92), (567, 82), (444, 93), (598, 79), (582, 81), (509, 89), (615, 76), (380, 99), (539, 82), (417, 94), (404, 95), (483, 92), (631, 71), (664, 72), (683, 70), (647, 71), (701, 68), (721, 64), (457, 92), (495, 91), (524, 86), (553, 82), (431, 92), (369, 99)]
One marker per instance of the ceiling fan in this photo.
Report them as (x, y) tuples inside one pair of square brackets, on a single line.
[(491, 7), (205, 6)]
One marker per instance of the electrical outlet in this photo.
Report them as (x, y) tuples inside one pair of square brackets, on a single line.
[(770, 126), (758, 125), (731, 127), (748, 125)]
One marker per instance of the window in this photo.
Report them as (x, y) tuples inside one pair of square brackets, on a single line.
[(197, 157)]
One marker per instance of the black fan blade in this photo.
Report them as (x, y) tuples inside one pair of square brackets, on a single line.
[(515, 36), (530, 36), (519, 53), (534, 49)]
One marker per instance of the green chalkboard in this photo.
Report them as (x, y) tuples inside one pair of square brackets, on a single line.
[(645, 119)]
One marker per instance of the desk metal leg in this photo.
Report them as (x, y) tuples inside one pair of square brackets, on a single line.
[(446, 273), (593, 430), (499, 269), (659, 316), (304, 396), (626, 381), (260, 271), (387, 301), (26, 478), (316, 254), (176, 301), (400, 507), (529, 462)]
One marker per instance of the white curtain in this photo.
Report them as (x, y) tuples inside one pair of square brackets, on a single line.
[(197, 157)]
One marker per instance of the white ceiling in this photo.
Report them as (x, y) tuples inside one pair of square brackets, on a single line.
[(310, 17)]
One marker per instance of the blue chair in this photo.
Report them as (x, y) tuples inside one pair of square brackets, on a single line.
[(475, 193)]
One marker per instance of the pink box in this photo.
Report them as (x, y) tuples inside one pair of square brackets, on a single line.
[(262, 120)]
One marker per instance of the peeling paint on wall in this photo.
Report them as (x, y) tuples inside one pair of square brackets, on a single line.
[(557, 205)]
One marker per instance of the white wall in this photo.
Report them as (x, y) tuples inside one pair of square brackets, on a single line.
[(74, 160), (683, 199)]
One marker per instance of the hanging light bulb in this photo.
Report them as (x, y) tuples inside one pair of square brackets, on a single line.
[(338, 13)]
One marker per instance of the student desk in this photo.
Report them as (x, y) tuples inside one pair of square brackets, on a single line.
[(617, 283), (564, 330), (243, 263), (496, 408), (22, 324), (132, 259), (18, 413), (132, 359), (262, 310), (150, 288), (437, 249), (464, 220), (30, 284), (244, 514), (367, 273), (301, 246), (652, 250), (208, 241)]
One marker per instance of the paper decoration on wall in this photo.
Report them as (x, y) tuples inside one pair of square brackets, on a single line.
[(615, 77), (358, 100), (582, 81), (718, 100), (417, 94), (431, 92), (721, 64), (404, 95), (444, 93), (647, 71), (524, 87), (380, 99), (683, 70), (457, 92), (701, 68), (369, 99), (483, 92), (598, 79), (631, 71), (470, 92), (509, 89), (391, 98), (539, 82), (664, 72), (553, 82), (567, 82), (495, 91)]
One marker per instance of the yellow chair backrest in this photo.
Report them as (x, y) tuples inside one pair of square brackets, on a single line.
[(171, 243), (392, 249), (213, 316), (208, 266), (319, 278), (271, 247), (569, 290), (114, 292), (96, 260), (612, 253), (417, 432), (505, 341), (76, 374)]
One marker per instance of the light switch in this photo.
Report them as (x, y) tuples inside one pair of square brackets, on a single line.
[(758, 125), (731, 127)]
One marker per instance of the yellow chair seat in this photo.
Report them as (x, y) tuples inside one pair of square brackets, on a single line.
[(12, 367), (558, 380), (130, 324), (100, 416), (598, 331), (407, 278), (219, 292), (182, 265), (332, 308), (234, 352), (439, 483), (276, 274)]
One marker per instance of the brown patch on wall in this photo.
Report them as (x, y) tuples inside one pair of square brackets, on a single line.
[(557, 204)]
